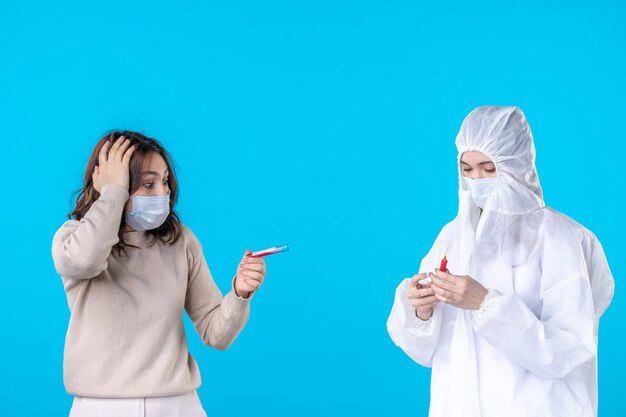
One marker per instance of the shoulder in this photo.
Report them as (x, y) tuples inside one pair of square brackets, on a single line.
[(191, 242), (187, 233), (560, 226), (561, 234)]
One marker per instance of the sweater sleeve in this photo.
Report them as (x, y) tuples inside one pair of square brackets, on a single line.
[(218, 320), (80, 249)]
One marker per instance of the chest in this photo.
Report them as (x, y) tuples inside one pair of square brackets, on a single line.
[(148, 281)]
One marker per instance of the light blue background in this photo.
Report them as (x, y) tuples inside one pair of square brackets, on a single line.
[(325, 125)]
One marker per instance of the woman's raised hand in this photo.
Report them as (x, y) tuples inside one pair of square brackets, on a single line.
[(113, 163)]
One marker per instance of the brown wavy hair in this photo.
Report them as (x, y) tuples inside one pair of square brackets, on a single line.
[(169, 232)]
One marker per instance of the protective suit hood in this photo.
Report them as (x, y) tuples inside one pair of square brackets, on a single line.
[(504, 136)]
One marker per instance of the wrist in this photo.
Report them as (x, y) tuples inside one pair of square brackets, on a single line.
[(423, 316), (485, 293), (240, 293), (488, 301)]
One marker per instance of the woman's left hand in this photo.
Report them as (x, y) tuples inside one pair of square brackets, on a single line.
[(250, 275), (459, 291)]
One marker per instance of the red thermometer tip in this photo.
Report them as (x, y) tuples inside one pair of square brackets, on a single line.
[(444, 264)]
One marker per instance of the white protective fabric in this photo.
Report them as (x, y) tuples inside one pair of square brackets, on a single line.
[(531, 348)]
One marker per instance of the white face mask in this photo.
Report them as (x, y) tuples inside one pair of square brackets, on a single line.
[(148, 212), (481, 189)]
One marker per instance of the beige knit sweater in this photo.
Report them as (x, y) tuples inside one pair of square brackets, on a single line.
[(126, 337)]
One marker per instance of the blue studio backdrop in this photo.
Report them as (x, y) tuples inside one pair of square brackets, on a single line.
[(325, 125)]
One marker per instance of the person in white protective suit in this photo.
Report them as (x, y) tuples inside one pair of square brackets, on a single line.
[(511, 327)]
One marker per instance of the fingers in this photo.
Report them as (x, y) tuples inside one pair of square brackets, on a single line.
[(443, 299), (252, 284), (253, 266), (415, 279), (446, 276), (128, 154), (428, 308), (247, 260), (121, 148), (433, 304), (257, 276), (425, 301), (423, 292), (419, 277), (460, 286), (416, 292), (103, 156), (246, 283), (109, 152), (94, 178), (448, 281), (114, 147), (447, 285), (444, 295)]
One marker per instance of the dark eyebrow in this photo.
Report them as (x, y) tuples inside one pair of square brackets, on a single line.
[(480, 163), (153, 172)]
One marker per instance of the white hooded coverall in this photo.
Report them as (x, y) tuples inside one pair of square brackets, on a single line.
[(531, 348)]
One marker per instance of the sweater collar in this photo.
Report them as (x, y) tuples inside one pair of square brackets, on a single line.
[(135, 236)]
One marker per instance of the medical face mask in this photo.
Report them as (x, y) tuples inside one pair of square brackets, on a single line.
[(148, 212), (481, 189)]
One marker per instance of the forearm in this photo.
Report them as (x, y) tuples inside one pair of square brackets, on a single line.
[(416, 337), (548, 348), (80, 250), (227, 321)]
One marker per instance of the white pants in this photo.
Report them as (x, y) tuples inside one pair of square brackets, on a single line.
[(187, 405)]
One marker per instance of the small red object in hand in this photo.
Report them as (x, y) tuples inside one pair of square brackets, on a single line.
[(444, 264)]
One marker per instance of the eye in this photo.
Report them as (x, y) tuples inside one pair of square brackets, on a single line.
[(147, 185)]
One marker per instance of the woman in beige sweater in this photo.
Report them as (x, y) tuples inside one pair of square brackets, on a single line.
[(129, 267)]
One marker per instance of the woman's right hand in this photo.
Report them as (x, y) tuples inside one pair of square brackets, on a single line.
[(421, 297), (113, 164)]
